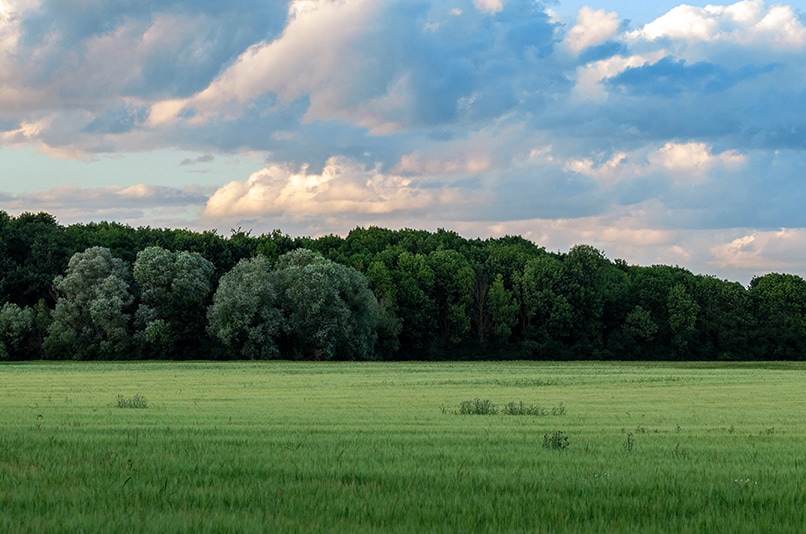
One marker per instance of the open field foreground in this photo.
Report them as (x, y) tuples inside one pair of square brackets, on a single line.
[(335, 447)]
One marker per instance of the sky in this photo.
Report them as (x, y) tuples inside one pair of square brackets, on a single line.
[(658, 132)]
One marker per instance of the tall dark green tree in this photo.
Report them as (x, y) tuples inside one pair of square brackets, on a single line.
[(548, 315), (175, 290), (683, 310), (779, 303), (725, 323), (454, 282), (414, 284), (36, 250)]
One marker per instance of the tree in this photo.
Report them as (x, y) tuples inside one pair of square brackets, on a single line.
[(682, 317), (245, 314), (329, 310), (414, 283), (585, 288), (548, 316), (503, 308), (725, 320), (92, 315), (36, 250), (454, 281), (639, 327), (779, 302), (175, 287), (390, 325), (16, 326)]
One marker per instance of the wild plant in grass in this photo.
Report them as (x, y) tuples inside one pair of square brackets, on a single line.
[(136, 401), (629, 443), (520, 408), (477, 407), (558, 410), (556, 440)]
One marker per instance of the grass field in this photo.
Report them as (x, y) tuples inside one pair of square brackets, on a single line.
[(327, 447)]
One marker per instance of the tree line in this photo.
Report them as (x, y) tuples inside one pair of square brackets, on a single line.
[(110, 291)]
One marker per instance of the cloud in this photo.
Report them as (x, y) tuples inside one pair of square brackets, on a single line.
[(206, 158), (305, 60), (747, 22), (669, 140), (489, 6), (343, 187), (762, 251), (693, 160), (593, 27), (136, 204)]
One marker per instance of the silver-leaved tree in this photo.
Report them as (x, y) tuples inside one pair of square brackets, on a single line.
[(92, 317), (306, 307), (245, 314)]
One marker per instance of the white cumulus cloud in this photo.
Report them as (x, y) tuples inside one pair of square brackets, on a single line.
[(343, 187), (746, 22), (593, 27)]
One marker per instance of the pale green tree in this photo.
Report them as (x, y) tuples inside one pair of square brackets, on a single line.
[(92, 317), (329, 310), (245, 314)]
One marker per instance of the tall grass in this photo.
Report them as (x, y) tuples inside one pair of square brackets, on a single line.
[(299, 447)]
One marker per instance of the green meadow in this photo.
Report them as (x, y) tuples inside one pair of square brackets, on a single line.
[(384, 447)]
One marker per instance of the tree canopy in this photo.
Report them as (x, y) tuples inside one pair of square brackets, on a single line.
[(108, 291)]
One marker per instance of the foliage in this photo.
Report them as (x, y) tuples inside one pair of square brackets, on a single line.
[(92, 315), (16, 324), (174, 290), (246, 314), (329, 311), (780, 304), (135, 401), (376, 293), (477, 406), (503, 309), (557, 440)]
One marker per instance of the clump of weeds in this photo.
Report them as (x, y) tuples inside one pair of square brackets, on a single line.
[(479, 406), (519, 408), (629, 443), (557, 441), (136, 401)]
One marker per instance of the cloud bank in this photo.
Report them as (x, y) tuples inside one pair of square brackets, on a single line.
[(677, 141)]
